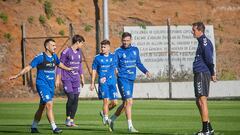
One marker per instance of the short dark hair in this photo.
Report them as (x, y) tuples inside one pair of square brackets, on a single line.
[(200, 26), (105, 42), (126, 34), (77, 38), (47, 41)]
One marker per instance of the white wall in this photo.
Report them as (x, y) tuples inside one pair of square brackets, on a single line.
[(179, 90)]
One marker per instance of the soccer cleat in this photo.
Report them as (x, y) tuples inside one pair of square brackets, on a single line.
[(57, 131), (34, 130), (110, 125), (133, 130), (102, 116), (205, 133), (68, 123), (73, 124)]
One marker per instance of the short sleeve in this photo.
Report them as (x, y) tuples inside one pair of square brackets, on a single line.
[(36, 61)]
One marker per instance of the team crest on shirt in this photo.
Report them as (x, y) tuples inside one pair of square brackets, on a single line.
[(134, 52), (204, 41), (79, 56), (110, 59), (101, 60), (124, 55)]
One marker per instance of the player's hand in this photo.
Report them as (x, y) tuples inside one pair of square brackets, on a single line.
[(148, 75), (103, 80), (82, 83), (69, 69), (214, 78), (57, 83), (13, 77), (92, 87)]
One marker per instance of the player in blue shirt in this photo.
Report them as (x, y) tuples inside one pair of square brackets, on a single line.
[(203, 68), (127, 60), (104, 64), (45, 63)]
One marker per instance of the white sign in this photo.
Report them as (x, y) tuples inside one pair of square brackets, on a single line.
[(153, 46)]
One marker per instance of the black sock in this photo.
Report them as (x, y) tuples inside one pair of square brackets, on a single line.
[(205, 127), (210, 126)]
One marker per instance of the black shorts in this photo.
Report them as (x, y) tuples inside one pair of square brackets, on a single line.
[(201, 84)]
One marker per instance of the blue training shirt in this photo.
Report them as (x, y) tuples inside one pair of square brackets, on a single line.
[(204, 56), (127, 61), (45, 76), (104, 65)]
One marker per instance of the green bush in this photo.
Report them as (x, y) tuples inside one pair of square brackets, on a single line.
[(140, 3), (142, 25), (30, 19), (60, 21), (42, 19), (48, 9), (61, 32), (4, 17), (8, 37), (228, 75), (88, 27)]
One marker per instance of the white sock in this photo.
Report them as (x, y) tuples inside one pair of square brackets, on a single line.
[(113, 118), (105, 117), (130, 124), (54, 126), (34, 124)]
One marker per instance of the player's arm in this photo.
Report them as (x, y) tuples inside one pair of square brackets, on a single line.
[(94, 73), (62, 66), (80, 71), (82, 80), (22, 72), (141, 66), (208, 58), (58, 76)]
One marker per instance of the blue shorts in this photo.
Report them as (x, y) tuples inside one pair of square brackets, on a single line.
[(45, 93), (125, 87), (108, 90)]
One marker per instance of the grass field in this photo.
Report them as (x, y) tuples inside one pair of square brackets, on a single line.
[(150, 117)]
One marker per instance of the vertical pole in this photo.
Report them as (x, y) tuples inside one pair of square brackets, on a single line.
[(169, 59), (97, 25), (105, 20), (24, 53), (70, 32)]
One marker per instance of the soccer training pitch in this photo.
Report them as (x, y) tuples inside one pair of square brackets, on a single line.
[(150, 117)]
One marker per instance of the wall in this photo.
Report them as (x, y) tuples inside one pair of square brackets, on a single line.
[(179, 90)]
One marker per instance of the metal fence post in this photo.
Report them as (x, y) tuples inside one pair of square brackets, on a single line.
[(23, 47), (169, 59)]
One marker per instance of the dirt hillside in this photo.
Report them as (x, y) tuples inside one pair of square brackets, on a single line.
[(86, 16)]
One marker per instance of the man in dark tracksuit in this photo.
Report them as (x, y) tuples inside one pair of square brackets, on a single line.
[(203, 68)]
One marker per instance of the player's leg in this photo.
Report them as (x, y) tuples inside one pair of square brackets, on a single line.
[(113, 96), (37, 118), (201, 85), (69, 104), (128, 110), (67, 85), (112, 104), (74, 109), (103, 93)]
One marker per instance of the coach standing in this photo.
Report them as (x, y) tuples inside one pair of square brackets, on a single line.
[(203, 69)]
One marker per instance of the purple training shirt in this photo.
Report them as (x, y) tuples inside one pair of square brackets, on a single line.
[(73, 60)]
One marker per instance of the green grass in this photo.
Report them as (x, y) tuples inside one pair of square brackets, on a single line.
[(150, 117)]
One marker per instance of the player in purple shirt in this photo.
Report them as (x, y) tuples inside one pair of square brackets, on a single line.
[(72, 57)]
